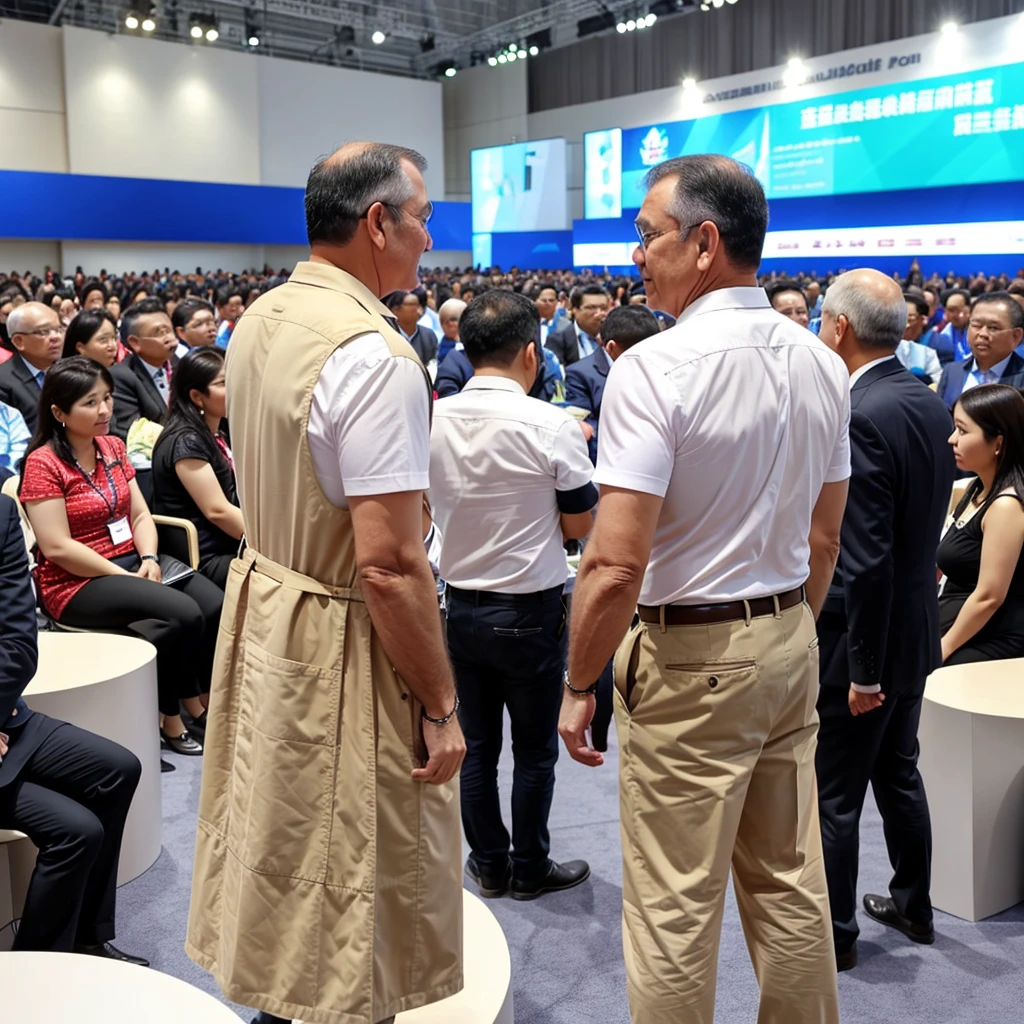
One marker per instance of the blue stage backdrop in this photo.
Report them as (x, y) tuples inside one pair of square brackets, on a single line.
[(93, 208)]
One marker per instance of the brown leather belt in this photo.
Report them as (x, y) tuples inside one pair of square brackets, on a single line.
[(731, 611)]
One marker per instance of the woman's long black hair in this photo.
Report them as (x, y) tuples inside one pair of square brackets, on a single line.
[(196, 371), (999, 410), (83, 327), (65, 383)]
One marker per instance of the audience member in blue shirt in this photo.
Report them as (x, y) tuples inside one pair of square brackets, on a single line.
[(230, 306), (812, 293), (14, 438), (951, 341)]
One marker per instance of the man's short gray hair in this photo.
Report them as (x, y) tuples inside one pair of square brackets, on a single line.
[(342, 187), (19, 318), (723, 191), (451, 309), (876, 321)]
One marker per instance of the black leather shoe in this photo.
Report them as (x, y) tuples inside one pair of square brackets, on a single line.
[(110, 952), (848, 960), (884, 911), (559, 877), (196, 726), (492, 887), (268, 1018), (166, 766)]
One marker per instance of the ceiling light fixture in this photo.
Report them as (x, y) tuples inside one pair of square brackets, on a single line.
[(950, 28), (148, 25), (534, 50), (212, 34), (196, 31), (378, 37), (493, 61), (131, 21)]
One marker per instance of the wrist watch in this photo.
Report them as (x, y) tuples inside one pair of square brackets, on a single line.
[(150, 558), (579, 693)]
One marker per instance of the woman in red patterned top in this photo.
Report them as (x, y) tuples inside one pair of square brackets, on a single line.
[(98, 564)]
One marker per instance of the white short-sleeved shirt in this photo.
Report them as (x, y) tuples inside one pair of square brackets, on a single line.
[(369, 423), (502, 467), (736, 417)]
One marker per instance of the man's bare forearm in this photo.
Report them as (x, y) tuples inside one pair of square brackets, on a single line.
[(403, 607), (819, 579), (603, 604)]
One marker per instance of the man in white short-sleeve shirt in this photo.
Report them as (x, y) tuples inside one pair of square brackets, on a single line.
[(723, 469), (510, 479)]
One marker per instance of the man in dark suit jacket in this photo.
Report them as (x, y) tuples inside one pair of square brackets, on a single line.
[(879, 628), (68, 790), (574, 340), (142, 382), (994, 331), (408, 308), (38, 338)]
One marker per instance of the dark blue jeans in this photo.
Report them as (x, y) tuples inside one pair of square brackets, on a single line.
[(506, 652)]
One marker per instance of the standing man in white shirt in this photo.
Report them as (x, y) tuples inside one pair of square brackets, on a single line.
[(510, 479), (723, 467)]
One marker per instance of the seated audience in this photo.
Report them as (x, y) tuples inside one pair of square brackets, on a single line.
[(995, 329), (577, 338), (93, 334), (913, 351), (812, 293), (93, 295), (98, 564), (787, 298), (230, 306), (67, 789), (14, 438), (407, 308), (195, 325), (113, 305), (193, 474), (449, 315), (142, 385), (457, 369), (981, 607), (1015, 289), (951, 342), (552, 316), (38, 338), (623, 328)]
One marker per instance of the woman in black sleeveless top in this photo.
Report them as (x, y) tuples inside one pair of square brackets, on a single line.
[(981, 610)]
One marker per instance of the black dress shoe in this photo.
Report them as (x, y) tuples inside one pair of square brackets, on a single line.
[(492, 887), (166, 766), (196, 726), (884, 911), (110, 952), (559, 877), (269, 1018), (848, 960)]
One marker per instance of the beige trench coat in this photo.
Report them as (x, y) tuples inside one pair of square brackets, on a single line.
[(327, 884)]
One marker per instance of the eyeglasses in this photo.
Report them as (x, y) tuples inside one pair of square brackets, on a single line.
[(45, 332), (397, 211), (646, 237), (980, 325)]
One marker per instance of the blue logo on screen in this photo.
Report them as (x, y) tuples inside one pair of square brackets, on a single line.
[(654, 148)]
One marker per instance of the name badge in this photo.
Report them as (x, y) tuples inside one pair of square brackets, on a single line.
[(120, 530)]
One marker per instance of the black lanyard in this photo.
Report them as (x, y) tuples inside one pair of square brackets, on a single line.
[(111, 506)]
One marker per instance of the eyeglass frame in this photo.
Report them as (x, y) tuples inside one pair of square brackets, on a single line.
[(42, 332), (646, 237), (397, 211)]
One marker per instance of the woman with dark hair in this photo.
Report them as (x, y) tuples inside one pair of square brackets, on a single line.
[(195, 324), (193, 474), (93, 295), (982, 602), (98, 565), (93, 334)]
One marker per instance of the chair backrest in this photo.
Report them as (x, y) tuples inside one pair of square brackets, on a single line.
[(10, 488)]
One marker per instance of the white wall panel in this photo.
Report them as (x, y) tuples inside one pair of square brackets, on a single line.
[(32, 98), (307, 111), (445, 258), (144, 108), (121, 257), (20, 255)]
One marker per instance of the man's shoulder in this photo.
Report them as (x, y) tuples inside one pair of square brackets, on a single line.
[(582, 367), (8, 369)]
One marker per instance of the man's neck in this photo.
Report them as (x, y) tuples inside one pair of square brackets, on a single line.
[(33, 363), (717, 279), (859, 359), (343, 258), (508, 372), (149, 362)]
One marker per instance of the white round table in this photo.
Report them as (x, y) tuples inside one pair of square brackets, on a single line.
[(107, 684), (56, 988)]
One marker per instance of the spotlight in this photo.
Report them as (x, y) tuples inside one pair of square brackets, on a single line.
[(689, 83), (212, 35), (254, 40), (950, 28), (641, 23), (502, 59), (718, 3), (630, 25), (196, 31), (521, 53), (705, 6), (730, 1), (651, 19), (148, 25), (513, 55), (512, 47), (534, 50), (493, 61), (449, 70), (378, 37), (620, 27), (131, 21), (794, 73)]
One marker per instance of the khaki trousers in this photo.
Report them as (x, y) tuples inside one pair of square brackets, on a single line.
[(717, 729)]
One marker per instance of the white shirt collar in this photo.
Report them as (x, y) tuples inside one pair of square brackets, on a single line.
[(489, 383), (857, 374), (999, 369), (34, 370), (150, 369), (725, 298)]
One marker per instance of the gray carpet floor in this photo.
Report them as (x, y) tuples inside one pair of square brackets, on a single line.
[(566, 948)]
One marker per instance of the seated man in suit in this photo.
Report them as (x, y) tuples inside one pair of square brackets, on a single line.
[(142, 382), (993, 332), (552, 316), (879, 627), (951, 343), (577, 338), (407, 308), (457, 369), (68, 790), (37, 335), (584, 380)]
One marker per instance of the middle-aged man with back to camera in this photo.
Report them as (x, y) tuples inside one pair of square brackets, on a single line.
[(879, 627), (327, 882), (510, 479), (723, 467)]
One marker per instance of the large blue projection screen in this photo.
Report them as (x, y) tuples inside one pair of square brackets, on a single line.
[(963, 129), (520, 187)]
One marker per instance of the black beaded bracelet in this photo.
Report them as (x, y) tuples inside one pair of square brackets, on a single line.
[(447, 718), (579, 693)]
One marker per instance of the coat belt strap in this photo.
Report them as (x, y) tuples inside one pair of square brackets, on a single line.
[(296, 580)]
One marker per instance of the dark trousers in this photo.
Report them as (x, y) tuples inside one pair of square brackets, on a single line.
[(71, 799), (180, 621), (215, 568), (506, 652), (879, 748)]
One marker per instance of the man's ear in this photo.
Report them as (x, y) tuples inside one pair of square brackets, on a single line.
[(613, 350)]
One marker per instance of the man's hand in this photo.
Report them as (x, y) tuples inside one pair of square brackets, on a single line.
[(862, 703), (149, 570), (573, 721), (446, 747), (588, 430), (3, 743)]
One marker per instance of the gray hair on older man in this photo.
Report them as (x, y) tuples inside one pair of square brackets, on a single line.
[(873, 305)]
